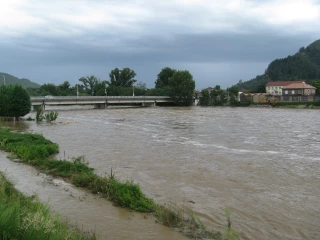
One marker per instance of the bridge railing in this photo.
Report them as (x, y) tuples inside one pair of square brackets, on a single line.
[(96, 97)]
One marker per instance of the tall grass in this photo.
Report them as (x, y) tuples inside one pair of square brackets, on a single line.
[(35, 150), (26, 218)]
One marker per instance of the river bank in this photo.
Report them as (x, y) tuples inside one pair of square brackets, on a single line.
[(23, 217), (34, 150)]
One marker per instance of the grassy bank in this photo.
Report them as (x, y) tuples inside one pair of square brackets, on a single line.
[(35, 150), (26, 218)]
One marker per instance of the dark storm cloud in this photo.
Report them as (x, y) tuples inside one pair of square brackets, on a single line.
[(184, 48), (218, 43)]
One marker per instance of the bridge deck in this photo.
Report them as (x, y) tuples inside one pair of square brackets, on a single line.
[(92, 100)]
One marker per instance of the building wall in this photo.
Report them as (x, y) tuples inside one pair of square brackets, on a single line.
[(307, 92), (294, 92), (266, 99), (296, 98), (275, 90)]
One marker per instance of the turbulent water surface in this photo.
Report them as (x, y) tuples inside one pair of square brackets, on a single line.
[(263, 164)]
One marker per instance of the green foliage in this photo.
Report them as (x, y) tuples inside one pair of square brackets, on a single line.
[(163, 77), (122, 78), (89, 84), (233, 96), (120, 91), (181, 88), (316, 84), (39, 114), (164, 91), (256, 84), (51, 116), (15, 101), (219, 97), (181, 217), (49, 89), (35, 150), (27, 146), (205, 99), (12, 80), (26, 218), (230, 234), (298, 66), (305, 64)]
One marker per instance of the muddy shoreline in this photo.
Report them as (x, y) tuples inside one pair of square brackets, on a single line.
[(81, 208)]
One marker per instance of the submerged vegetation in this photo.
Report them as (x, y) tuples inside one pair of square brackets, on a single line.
[(26, 218), (49, 116), (35, 150)]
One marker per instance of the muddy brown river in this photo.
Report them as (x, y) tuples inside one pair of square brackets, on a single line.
[(263, 164)]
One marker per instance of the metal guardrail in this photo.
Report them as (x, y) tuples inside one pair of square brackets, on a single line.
[(96, 97)]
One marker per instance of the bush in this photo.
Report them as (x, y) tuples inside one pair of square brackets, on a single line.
[(15, 101), (51, 116)]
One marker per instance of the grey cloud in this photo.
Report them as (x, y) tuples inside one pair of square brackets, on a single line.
[(212, 58)]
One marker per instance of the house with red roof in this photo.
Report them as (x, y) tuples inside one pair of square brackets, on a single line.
[(302, 89), (275, 88)]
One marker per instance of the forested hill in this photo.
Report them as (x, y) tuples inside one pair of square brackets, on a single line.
[(305, 65), (9, 79)]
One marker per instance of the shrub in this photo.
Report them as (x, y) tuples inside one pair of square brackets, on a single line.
[(15, 101), (51, 116)]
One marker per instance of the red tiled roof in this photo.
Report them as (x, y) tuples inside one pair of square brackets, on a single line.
[(282, 83), (302, 85)]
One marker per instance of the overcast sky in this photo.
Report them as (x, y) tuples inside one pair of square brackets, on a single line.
[(219, 42)]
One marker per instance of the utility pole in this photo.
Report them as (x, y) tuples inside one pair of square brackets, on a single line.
[(4, 79)]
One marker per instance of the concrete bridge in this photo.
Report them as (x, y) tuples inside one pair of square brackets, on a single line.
[(99, 101)]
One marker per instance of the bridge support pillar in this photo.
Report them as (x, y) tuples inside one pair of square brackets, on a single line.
[(99, 105), (149, 104)]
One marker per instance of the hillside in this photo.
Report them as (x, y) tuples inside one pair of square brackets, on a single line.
[(305, 65), (9, 79)]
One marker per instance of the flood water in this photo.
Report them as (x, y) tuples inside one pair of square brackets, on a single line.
[(263, 164)]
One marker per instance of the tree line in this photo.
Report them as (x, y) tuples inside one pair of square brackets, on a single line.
[(178, 84), (219, 97)]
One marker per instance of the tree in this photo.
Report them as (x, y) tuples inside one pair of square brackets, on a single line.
[(233, 95), (15, 101), (100, 88), (122, 78), (140, 89), (89, 84), (64, 88), (49, 89), (316, 84), (205, 98), (163, 77), (181, 86)]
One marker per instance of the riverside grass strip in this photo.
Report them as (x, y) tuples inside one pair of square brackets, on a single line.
[(35, 150), (26, 218)]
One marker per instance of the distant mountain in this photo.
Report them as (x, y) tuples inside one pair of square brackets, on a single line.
[(304, 65), (9, 79)]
